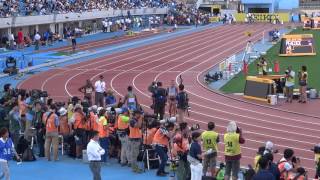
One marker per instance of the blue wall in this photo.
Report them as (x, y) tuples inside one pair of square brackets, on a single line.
[(288, 4), (273, 5)]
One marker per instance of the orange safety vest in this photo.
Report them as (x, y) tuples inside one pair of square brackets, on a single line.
[(102, 127), (92, 123), (122, 125), (160, 139), (50, 123), (292, 175), (79, 121), (135, 133), (283, 172), (182, 146), (64, 127), (148, 138)]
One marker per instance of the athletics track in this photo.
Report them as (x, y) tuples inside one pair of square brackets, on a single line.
[(191, 56)]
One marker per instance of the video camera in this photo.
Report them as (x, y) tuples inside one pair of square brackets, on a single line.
[(168, 120), (195, 127), (113, 110)]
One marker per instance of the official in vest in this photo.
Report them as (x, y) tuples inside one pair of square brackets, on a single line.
[(135, 140), (290, 75), (51, 122), (79, 125), (232, 150), (122, 126), (7, 151), (149, 134), (131, 100), (92, 122), (210, 140), (161, 144), (64, 127), (103, 134)]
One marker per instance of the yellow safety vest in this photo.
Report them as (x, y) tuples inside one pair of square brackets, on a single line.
[(231, 144), (209, 139)]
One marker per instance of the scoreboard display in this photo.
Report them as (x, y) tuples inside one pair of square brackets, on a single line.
[(297, 45)]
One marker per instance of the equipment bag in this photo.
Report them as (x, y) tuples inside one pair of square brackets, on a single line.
[(28, 155)]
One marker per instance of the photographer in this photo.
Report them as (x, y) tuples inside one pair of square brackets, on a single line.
[(287, 163), (103, 134), (92, 122), (273, 168), (210, 140), (40, 127), (152, 128), (161, 144), (263, 173), (135, 136), (290, 75), (79, 126), (51, 121), (122, 126), (160, 99), (196, 156), (262, 67), (64, 128), (232, 150), (181, 150), (14, 124)]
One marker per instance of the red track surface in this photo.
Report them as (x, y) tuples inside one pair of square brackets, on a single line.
[(190, 56)]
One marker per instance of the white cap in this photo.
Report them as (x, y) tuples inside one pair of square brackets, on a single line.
[(269, 145), (62, 111), (99, 109), (94, 107)]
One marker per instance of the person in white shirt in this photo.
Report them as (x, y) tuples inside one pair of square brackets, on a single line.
[(11, 41), (37, 38), (94, 152), (100, 87)]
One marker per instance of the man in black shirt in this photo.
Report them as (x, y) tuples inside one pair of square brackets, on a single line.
[(160, 99)]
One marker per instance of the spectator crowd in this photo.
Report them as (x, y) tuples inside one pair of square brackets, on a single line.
[(10, 8), (119, 128)]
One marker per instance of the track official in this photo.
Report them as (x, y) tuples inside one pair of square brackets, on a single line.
[(94, 152)]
